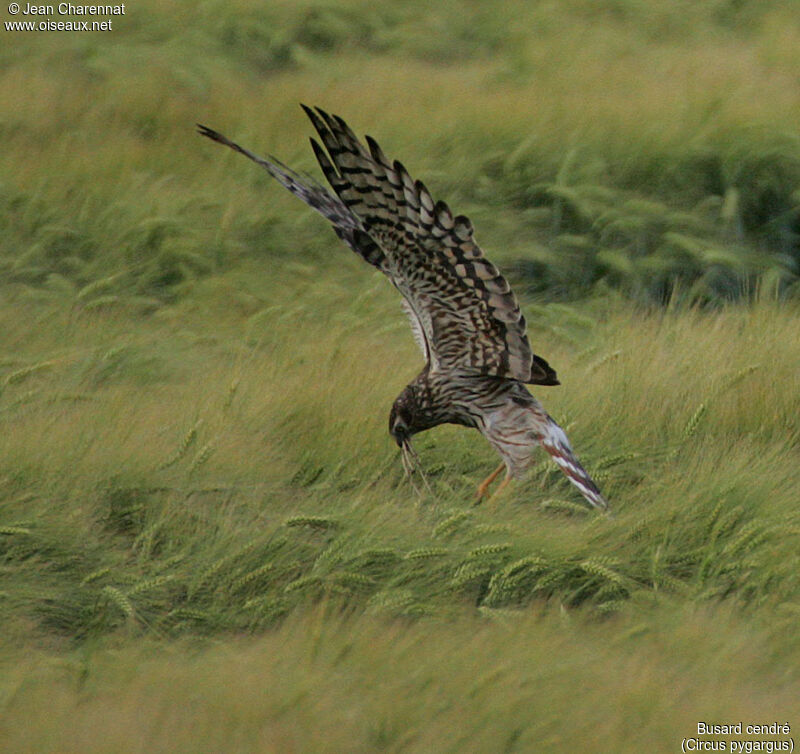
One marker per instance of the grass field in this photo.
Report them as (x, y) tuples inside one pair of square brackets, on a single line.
[(206, 540)]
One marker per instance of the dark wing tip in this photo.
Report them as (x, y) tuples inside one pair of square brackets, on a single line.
[(206, 131), (441, 208), (319, 119), (542, 373), (215, 136)]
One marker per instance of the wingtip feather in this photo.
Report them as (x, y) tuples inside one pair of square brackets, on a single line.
[(209, 132)]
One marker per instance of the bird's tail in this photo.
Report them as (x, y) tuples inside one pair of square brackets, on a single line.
[(554, 441)]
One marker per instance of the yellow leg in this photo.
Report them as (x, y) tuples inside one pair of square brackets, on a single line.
[(484, 485), (500, 488)]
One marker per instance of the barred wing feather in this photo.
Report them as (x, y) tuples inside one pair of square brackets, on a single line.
[(346, 225), (464, 307), (463, 313)]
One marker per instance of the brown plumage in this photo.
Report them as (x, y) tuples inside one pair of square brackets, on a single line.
[(463, 313)]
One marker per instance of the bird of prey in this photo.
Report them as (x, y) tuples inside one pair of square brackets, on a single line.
[(463, 314)]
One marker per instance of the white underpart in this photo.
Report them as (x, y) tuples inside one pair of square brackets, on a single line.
[(514, 434)]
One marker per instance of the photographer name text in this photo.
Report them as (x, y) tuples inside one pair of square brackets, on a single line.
[(68, 9)]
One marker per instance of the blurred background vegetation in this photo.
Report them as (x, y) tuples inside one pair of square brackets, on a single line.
[(195, 377), (599, 145)]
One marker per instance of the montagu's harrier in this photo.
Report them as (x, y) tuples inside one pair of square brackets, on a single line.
[(463, 313)]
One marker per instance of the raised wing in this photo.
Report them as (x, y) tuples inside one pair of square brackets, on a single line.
[(464, 307), (347, 226), (463, 313)]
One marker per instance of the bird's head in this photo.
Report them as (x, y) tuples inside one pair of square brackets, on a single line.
[(402, 426), (401, 419)]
